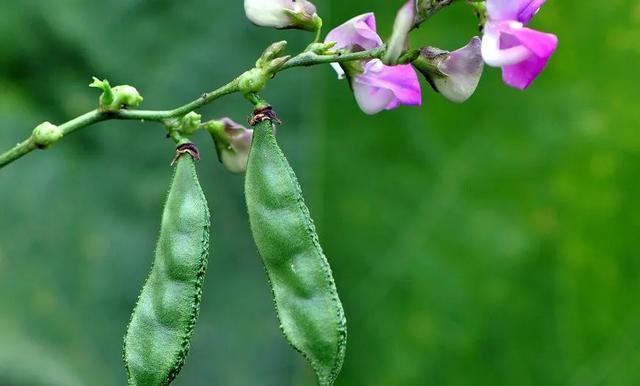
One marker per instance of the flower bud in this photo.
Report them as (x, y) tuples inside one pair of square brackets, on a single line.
[(272, 52), (405, 20), (320, 48), (46, 134), (276, 64), (233, 142), (453, 74), (126, 96), (116, 98), (281, 14), (190, 123)]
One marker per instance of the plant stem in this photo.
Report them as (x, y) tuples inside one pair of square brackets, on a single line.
[(427, 8), (84, 120), (304, 59), (17, 151), (153, 115), (307, 59)]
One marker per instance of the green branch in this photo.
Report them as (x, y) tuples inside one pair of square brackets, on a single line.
[(304, 59), (153, 115), (309, 58), (426, 9)]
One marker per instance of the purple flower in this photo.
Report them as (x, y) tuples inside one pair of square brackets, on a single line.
[(376, 86), (521, 52)]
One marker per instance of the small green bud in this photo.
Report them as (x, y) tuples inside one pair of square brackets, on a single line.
[(271, 53), (276, 64), (320, 48), (253, 81), (116, 98), (46, 134), (106, 98), (126, 96), (184, 125), (190, 123)]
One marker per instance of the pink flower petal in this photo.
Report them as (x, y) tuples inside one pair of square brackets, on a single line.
[(372, 100), (357, 34), (521, 52), (499, 48), (542, 46), (527, 13), (383, 87), (463, 70), (505, 9), (520, 10)]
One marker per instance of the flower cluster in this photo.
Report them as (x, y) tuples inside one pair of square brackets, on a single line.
[(390, 81)]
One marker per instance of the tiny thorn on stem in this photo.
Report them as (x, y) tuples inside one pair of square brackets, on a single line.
[(186, 148), (263, 114)]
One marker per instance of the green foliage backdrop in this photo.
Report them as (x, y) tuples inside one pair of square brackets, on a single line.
[(490, 243)]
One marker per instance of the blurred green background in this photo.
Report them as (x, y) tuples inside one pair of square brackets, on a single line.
[(490, 243)]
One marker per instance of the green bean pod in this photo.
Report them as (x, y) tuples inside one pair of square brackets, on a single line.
[(310, 313), (159, 333)]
